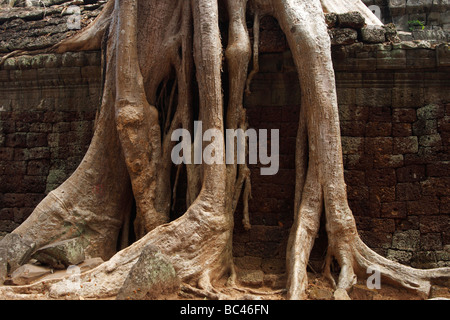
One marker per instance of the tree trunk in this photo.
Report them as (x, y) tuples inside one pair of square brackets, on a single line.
[(153, 50)]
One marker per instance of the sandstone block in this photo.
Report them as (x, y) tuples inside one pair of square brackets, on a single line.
[(151, 276), (62, 254)]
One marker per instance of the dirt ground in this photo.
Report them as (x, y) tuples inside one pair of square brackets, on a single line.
[(249, 287), (319, 289)]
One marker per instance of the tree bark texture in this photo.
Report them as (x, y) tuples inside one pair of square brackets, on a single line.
[(163, 71)]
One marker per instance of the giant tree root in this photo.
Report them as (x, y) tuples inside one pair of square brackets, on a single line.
[(152, 50)]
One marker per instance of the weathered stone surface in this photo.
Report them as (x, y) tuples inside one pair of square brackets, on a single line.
[(430, 111), (151, 276), (27, 273), (443, 55), (351, 20), (406, 240), (252, 278), (60, 255), (18, 250), (373, 34), (343, 36), (331, 19), (400, 256)]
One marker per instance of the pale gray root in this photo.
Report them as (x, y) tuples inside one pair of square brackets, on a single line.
[(255, 69), (137, 121), (238, 53), (310, 46)]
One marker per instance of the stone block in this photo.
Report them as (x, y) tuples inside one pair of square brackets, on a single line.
[(388, 160), (152, 276), (424, 127), (61, 254), (402, 145), (408, 191), (393, 209), (404, 96), (411, 173), (443, 55), (382, 225), (418, 6), (410, 223), (73, 59), (400, 256), (331, 19), (420, 58), (381, 114), (434, 224), (353, 128), (397, 7), (431, 241), (430, 111), (352, 145), (432, 140), (18, 250), (15, 140), (344, 36), (379, 145), (381, 177), (273, 266), (426, 205), (445, 205), (376, 239), (375, 98), (373, 34), (404, 115), (436, 186), (395, 59), (352, 112), (401, 129), (248, 262), (28, 273), (406, 240), (275, 281), (382, 193), (359, 161), (350, 20), (6, 154), (38, 168), (36, 140), (251, 278), (378, 129)]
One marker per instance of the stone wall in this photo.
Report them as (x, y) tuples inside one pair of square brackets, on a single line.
[(47, 108), (433, 15), (394, 107), (394, 112)]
